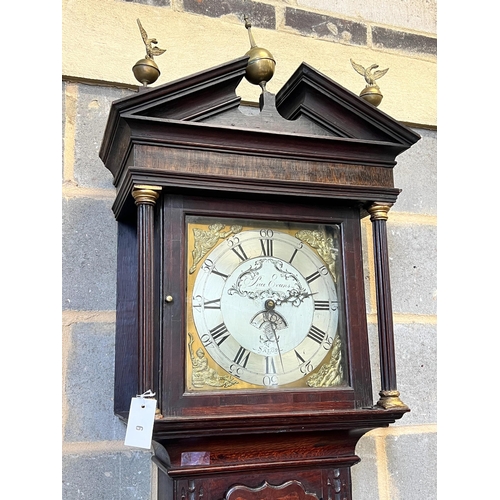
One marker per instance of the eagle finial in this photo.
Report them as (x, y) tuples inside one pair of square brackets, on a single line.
[(148, 42), (146, 70), (368, 73), (371, 92)]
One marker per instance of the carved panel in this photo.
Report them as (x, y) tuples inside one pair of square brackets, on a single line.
[(291, 490)]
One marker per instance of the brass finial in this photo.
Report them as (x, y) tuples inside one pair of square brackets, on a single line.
[(146, 70), (261, 65), (371, 92)]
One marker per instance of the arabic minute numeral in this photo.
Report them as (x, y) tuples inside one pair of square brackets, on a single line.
[(209, 267), (235, 245), (327, 343), (233, 241), (266, 233), (269, 380), (235, 370), (197, 301), (307, 368), (207, 340)]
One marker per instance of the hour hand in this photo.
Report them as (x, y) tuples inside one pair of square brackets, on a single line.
[(296, 297)]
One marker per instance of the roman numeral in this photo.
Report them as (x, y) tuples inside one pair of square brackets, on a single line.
[(293, 255), (270, 366), (321, 305), (219, 333), (240, 252), (316, 334), (241, 357), (212, 304), (300, 358), (222, 275), (313, 276), (267, 247)]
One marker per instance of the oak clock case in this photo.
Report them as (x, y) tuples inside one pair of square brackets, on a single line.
[(262, 305), (240, 287)]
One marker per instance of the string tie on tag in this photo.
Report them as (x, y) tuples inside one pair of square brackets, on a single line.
[(147, 394)]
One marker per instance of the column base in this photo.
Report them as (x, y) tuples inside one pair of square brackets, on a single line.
[(390, 399)]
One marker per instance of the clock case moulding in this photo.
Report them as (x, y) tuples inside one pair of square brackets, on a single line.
[(313, 144)]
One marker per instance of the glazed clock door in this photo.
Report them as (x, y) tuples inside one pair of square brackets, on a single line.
[(261, 305)]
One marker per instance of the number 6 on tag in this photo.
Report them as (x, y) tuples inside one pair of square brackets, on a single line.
[(140, 422)]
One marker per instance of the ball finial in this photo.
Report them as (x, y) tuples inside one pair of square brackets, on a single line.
[(146, 70), (261, 63), (371, 93)]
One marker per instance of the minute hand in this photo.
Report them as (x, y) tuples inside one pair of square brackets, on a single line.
[(278, 346), (272, 316)]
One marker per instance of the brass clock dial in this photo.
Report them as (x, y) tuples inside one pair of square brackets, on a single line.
[(263, 306)]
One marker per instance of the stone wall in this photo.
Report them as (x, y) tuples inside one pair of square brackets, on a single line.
[(101, 43), (398, 462)]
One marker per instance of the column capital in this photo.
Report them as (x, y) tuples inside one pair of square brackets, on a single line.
[(145, 194), (379, 211)]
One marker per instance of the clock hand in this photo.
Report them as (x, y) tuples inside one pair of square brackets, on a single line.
[(278, 346), (296, 297), (270, 304)]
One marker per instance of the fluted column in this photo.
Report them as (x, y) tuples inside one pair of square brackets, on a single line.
[(389, 394), (145, 198)]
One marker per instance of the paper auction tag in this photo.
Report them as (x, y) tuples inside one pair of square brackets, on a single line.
[(140, 422)]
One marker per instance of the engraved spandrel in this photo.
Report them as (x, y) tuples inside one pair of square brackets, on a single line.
[(324, 245), (204, 375), (204, 241), (330, 374)]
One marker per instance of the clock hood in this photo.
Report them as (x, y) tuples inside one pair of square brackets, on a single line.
[(329, 134)]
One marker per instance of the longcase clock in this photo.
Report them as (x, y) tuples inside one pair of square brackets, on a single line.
[(240, 296)]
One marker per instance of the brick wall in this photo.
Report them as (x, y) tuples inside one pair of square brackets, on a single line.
[(388, 25), (341, 22), (397, 463)]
